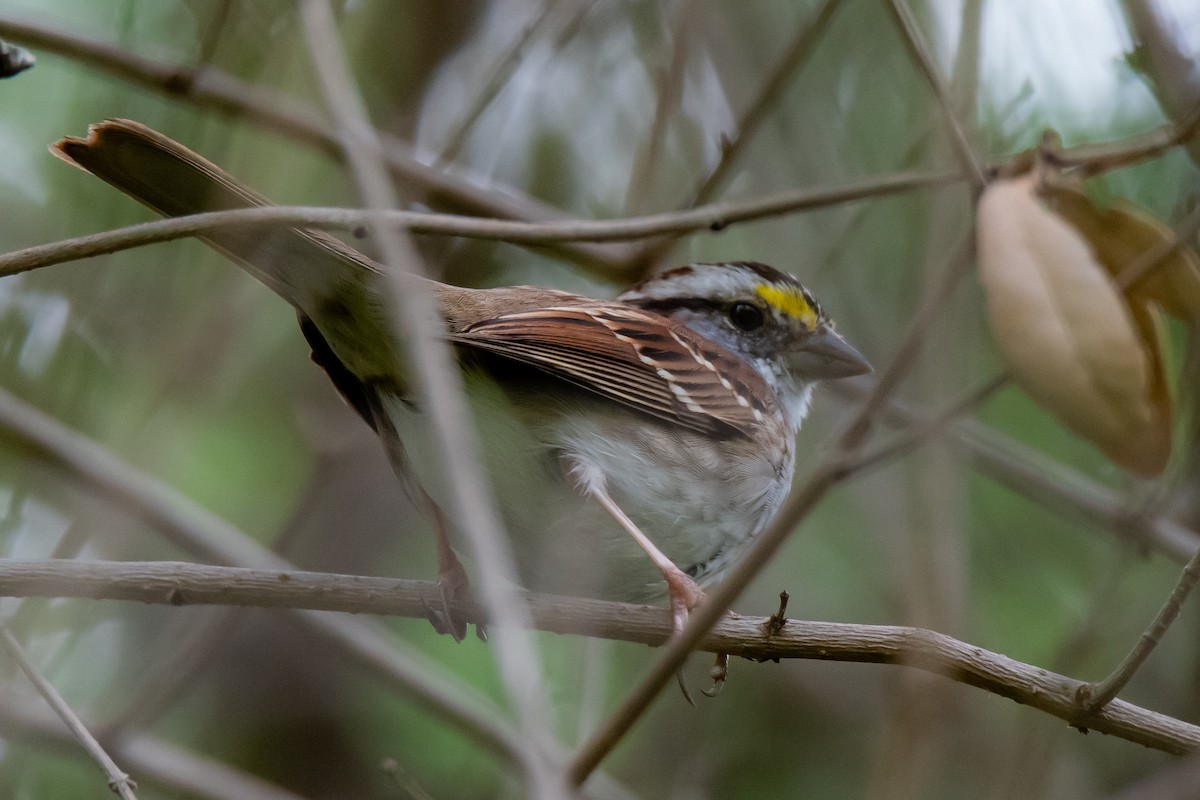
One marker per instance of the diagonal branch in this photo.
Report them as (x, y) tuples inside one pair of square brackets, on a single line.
[(1093, 696), (748, 123), (1037, 478), (154, 759), (768, 97), (920, 53), (118, 780), (438, 387), (825, 474), (668, 93), (505, 66)]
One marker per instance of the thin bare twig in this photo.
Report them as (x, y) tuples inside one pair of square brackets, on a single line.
[(715, 217), (1093, 696), (919, 50), (951, 272), (155, 760), (118, 781), (748, 123), (1089, 160), (748, 637), (219, 91), (768, 97), (506, 65), (668, 93), (926, 428), (437, 387), (1058, 488)]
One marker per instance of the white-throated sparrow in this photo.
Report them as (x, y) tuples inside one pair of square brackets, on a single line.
[(660, 423)]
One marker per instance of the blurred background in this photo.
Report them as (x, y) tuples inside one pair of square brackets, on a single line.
[(186, 368)]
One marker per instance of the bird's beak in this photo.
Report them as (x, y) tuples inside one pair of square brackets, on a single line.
[(825, 355)]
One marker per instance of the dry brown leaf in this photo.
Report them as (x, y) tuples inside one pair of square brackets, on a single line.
[(1066, 332), (1156, 445), (1120, 234)]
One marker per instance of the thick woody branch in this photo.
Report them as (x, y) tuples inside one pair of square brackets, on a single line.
[(174, 583)]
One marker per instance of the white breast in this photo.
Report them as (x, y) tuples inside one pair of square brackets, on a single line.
[(699, 500)]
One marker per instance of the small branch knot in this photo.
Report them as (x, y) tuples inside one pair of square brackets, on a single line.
[(774, 623)]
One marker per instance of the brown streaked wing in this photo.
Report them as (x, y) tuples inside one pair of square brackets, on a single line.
[(637, 358)]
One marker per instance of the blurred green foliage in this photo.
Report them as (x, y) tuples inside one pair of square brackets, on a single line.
[(189, 370)]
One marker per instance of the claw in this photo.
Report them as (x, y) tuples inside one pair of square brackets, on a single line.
[(453, 587), (683, 688), (718, 673), (685, 595), (453, 583), (449, 621), (439, 618)]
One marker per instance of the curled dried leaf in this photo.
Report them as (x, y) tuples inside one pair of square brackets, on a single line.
[(1154, 449), (1065, 330), (1120, 235)]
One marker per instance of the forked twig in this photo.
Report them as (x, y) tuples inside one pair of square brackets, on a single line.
[(1094, 696), (118, 780)]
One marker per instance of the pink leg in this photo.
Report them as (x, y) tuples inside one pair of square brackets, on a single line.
[(685, 594)]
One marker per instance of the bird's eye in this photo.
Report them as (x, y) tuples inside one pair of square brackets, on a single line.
[(746, 316)]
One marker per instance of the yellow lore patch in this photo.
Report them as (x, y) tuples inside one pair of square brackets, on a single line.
[(789, 301)]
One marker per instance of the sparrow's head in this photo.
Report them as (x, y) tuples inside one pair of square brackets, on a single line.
[(763, 315)]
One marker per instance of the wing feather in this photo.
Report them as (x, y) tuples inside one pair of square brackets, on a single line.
[(638, 358)]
